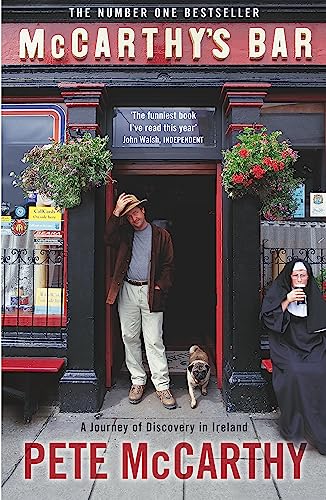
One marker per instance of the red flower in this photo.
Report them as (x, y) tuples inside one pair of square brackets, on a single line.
[(275, 166), (267, 160), (248, 182), (285, 154), (244, 153), (281, 165), (269, 215), (257, 171), (238, 178)]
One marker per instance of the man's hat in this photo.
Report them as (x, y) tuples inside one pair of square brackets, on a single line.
[(132, 204)]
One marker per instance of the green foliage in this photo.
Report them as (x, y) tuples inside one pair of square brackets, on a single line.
[(62, 171), (321, 280), (260, 165)]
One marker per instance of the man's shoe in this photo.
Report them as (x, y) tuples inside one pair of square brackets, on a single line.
[(167, 399), (136, 393)]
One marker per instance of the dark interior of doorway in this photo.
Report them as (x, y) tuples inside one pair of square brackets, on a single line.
[(187, 205)]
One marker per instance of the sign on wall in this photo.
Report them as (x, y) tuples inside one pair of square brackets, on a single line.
[(317, 204), (164, 43), (163, 127)]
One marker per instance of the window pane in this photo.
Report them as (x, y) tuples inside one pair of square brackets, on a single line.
[(302, 123), (19, 134)]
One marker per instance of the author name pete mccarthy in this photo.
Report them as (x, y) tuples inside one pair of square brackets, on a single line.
[(63, 460)]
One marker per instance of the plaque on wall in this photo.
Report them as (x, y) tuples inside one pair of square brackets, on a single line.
[(317, 204), (135, 127)]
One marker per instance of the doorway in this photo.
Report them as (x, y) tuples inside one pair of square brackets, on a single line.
[(185, 206)]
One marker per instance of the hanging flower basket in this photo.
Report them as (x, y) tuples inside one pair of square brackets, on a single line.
[(62, 171), (260, 165)]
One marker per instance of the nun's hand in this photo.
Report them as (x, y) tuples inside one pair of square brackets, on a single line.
[(296, 295)]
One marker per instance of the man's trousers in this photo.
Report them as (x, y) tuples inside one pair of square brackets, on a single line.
[(135, 317)]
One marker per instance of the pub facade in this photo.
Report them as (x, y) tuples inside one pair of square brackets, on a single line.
[(172, 87)]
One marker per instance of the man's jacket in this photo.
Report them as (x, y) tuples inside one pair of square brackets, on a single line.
[(120, 236)]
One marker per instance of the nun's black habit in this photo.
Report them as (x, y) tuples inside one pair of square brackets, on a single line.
[(298, 352)]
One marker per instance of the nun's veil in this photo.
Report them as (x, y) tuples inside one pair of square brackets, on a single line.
[(316, 305)]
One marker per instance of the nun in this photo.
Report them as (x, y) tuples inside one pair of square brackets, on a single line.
[(294, 312)]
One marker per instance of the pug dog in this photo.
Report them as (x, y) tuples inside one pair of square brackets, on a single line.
[(198, 372)]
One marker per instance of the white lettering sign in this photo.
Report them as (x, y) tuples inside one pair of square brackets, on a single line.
[(155, 127), (31, 48), (184, 44)]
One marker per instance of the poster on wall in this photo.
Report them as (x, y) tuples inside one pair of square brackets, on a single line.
[(317, 204)]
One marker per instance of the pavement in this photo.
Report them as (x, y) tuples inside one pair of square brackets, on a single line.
[(191, 443)]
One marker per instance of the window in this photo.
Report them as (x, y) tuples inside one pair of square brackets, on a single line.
[(33, 285), (304, 125)]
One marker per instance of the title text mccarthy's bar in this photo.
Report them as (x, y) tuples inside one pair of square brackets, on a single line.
[(160, 44)]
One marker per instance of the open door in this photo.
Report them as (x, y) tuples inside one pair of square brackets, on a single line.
[(219, 278), (188, 196)]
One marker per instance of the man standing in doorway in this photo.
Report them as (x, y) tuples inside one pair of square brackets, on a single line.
[(141, 280)]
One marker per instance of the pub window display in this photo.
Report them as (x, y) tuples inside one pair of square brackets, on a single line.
[(32, 278)]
